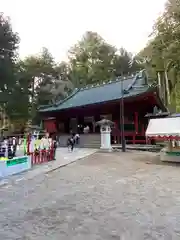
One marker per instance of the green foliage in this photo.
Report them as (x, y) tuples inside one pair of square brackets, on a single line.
[(92, 60), (10, 94), (163, 51), (43, 80), (8, 47)]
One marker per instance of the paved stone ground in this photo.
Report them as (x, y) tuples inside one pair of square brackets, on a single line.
[(105, 196), (63, 158)]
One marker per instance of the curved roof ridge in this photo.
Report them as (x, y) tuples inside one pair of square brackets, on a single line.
[(105, 83), (136, 78)]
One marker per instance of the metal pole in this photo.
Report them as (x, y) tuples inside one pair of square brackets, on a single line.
[(123, 141)]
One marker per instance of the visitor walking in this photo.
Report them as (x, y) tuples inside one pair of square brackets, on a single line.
[(77, 138), (71, 142)]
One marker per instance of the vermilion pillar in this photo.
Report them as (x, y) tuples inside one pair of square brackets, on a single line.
[(136, 122)]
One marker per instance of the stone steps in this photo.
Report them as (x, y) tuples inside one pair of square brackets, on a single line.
[(86, 141)]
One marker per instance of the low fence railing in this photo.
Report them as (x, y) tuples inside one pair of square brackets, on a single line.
[(42, 156)]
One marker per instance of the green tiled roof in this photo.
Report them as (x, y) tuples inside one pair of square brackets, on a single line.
[(110, 91)]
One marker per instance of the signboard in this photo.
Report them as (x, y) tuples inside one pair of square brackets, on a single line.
[(16, 161), (15, 165)]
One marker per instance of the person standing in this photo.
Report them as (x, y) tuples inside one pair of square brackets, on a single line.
[(10, 147), (55, 143), (14, 146)]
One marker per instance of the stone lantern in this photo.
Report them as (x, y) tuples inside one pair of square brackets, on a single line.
[(105, 129)]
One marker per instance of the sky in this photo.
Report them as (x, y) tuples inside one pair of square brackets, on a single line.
[(59, 24)]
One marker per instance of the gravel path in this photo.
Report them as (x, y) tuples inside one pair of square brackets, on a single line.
[(105, 196)]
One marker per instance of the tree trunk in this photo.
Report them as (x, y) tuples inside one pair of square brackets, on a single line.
[(173, 90), (167, 95), (161, 87), (159, 84)]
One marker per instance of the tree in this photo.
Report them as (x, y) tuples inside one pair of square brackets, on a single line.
[(164, 49), (56, 89), (63, 85), (54, 80), (8, 46), (42, 80), (8, 55), (124, 63), (92, 60)]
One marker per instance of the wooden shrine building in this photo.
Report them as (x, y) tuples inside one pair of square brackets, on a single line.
[(88, 105)]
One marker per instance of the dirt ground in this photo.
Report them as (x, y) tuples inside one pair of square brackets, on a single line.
[(104, 196)]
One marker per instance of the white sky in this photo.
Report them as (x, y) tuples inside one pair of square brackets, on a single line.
[(58, 24)]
